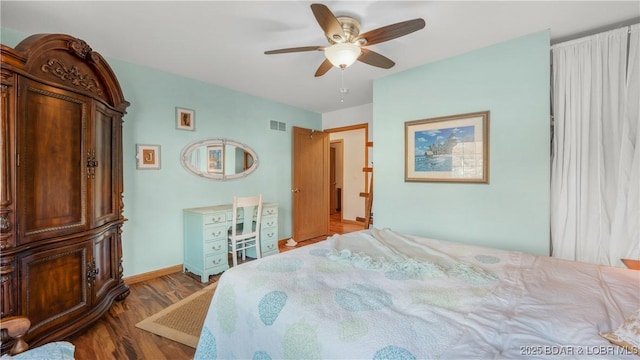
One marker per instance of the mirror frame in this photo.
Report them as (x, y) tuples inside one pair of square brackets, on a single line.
[(186, 153)]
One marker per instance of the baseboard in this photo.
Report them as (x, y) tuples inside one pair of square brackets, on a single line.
[(129, 280)]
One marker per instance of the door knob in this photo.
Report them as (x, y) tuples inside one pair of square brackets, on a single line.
[(295, 190)]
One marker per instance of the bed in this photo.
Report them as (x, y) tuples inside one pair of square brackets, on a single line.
[(380, 294)]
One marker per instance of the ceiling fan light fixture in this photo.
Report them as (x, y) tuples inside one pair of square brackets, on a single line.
[(342, 55)]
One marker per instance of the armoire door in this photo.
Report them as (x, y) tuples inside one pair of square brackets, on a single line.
[(103, 267), (103, 165), (51, 162), (54, 286)]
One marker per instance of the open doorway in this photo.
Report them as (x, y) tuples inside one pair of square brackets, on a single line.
[(349, 144), (336, 166)]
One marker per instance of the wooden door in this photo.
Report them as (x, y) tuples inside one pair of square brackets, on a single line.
[(51, 162), (310, 183)]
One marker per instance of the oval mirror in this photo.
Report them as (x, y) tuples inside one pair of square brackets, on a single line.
[(219, 159)]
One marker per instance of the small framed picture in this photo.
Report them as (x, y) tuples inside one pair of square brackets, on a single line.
[(185, 119), (215, 159), (147, 157)]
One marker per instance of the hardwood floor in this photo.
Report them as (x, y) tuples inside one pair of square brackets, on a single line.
[(115, 336)]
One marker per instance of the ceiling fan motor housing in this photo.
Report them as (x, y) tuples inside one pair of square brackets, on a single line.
[(351, 28)]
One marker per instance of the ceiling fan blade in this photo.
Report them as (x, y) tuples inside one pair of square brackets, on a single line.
[(373, 58), (324, 67), (392, 31), (328, 22), (295, 49)]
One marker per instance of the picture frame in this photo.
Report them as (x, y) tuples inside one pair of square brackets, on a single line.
[(185, 119), (448, 149), (215, 159), (147, 157)]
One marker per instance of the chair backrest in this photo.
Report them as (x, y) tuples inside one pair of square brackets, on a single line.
[(249, 205)]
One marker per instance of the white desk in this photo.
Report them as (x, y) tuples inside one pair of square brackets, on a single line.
[(205, 237)]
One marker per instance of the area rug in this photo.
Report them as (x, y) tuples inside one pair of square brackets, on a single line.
[(182, 321)]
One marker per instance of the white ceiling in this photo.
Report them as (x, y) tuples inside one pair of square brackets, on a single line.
[(223, 42)]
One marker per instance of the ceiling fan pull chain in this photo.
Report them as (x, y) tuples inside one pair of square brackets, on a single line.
[(343, 90)]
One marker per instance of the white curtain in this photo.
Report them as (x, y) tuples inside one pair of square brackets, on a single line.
[(595, 182)]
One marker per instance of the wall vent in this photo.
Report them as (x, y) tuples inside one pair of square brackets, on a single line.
[(277, 125)]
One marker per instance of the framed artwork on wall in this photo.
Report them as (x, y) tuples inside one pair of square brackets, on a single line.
[(448, 149), (215, 159), (185, 119), (147, 157)]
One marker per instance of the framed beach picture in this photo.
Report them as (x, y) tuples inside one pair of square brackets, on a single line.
[(185, 119), (448, 149), (215, 159), (147, 157)]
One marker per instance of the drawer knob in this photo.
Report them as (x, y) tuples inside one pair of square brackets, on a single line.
[(216, 248), (217, 261)]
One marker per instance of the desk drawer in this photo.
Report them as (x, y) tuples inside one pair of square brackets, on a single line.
[(215, 218), (215, 247), (214, 232), (268, 247), (215, 260), (269, 234), (269, 222), (269, 241), (270, 211)]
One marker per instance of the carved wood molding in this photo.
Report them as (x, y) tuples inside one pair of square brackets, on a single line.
[(80, 48), (83, 50), (7, 271), (71, 74), (6, 236), (6, 195)]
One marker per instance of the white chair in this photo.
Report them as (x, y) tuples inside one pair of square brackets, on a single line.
[(245, 234)]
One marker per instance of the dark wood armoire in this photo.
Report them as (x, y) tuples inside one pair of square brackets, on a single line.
[(60, 186)]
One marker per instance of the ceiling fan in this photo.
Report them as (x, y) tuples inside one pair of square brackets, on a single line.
[(346, 44)]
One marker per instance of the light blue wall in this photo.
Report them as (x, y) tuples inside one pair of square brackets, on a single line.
[(154, 199), (511, 80)]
